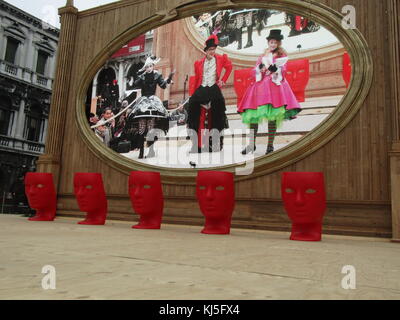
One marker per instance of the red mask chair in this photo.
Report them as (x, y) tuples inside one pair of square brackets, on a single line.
[(298, 75), (41, 194), (215, 192), (346, 69), (147, 198), (243, 79), (304, 198), (91, 197)]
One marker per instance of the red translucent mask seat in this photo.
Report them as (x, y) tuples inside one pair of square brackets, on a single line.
[(215, 193), (243, 79), (147, 198), (300, 23), (90, 194), (346, 69), (41, 194), (298, 75), (304, 199)]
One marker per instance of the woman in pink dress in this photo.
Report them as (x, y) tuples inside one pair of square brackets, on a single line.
[(270, 98)]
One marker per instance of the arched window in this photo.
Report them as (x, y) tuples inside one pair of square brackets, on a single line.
[(5, 115), (33, 123), (105, 80)]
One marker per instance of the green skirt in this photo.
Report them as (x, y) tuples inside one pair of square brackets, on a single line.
[(268, 113)]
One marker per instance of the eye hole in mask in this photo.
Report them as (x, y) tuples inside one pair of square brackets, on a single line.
[(89, 187), (220, 188), (311, 191), (146, 186), (40, 186), (289, 190), (202, 188)]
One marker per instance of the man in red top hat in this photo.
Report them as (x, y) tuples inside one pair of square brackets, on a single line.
[(207, 104)]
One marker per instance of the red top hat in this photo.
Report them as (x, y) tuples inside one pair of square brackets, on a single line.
[(212, 41)]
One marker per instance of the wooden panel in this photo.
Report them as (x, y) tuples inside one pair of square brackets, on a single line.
[(355, 162), (346, 218)]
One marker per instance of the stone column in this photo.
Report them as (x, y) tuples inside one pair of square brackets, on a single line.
[(94, 87), (121, 72), (3, 40), (45, 130), (394, 154), (13, 129), (30, 51), (50, 161), (20, 124), (52, 66), (23, 52)]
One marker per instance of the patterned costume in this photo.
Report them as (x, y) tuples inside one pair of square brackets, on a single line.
[(148, 112)]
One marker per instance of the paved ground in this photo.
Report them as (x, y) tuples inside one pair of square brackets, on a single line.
[(177, 262)]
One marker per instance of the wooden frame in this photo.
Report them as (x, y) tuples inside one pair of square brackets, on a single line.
[(352, 39), (357, 147)]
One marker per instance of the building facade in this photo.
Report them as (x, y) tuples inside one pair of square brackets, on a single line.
[(28, 49), (122, 68)]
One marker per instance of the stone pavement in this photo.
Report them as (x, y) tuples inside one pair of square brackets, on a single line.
[(178, 262)]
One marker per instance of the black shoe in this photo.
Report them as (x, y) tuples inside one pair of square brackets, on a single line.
[(141, 154), (248, 45), (249, 149), (269, 149)]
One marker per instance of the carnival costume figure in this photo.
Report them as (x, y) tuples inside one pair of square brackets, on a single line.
[(270, 98), (148, 112), (207, 108)]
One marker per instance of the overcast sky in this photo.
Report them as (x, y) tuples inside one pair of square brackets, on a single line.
[(47, 9)]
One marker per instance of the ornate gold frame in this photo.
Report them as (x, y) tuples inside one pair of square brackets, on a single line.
[(352, 40)]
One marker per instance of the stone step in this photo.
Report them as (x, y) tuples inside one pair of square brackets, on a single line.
[(179, 156), (310, 103), (262, 139), (300, 125), (304, 112), (173, 150)]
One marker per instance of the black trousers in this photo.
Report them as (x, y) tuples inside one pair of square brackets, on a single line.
[(203, 95)]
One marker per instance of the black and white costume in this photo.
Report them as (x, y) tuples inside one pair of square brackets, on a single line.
[(148, 112)]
